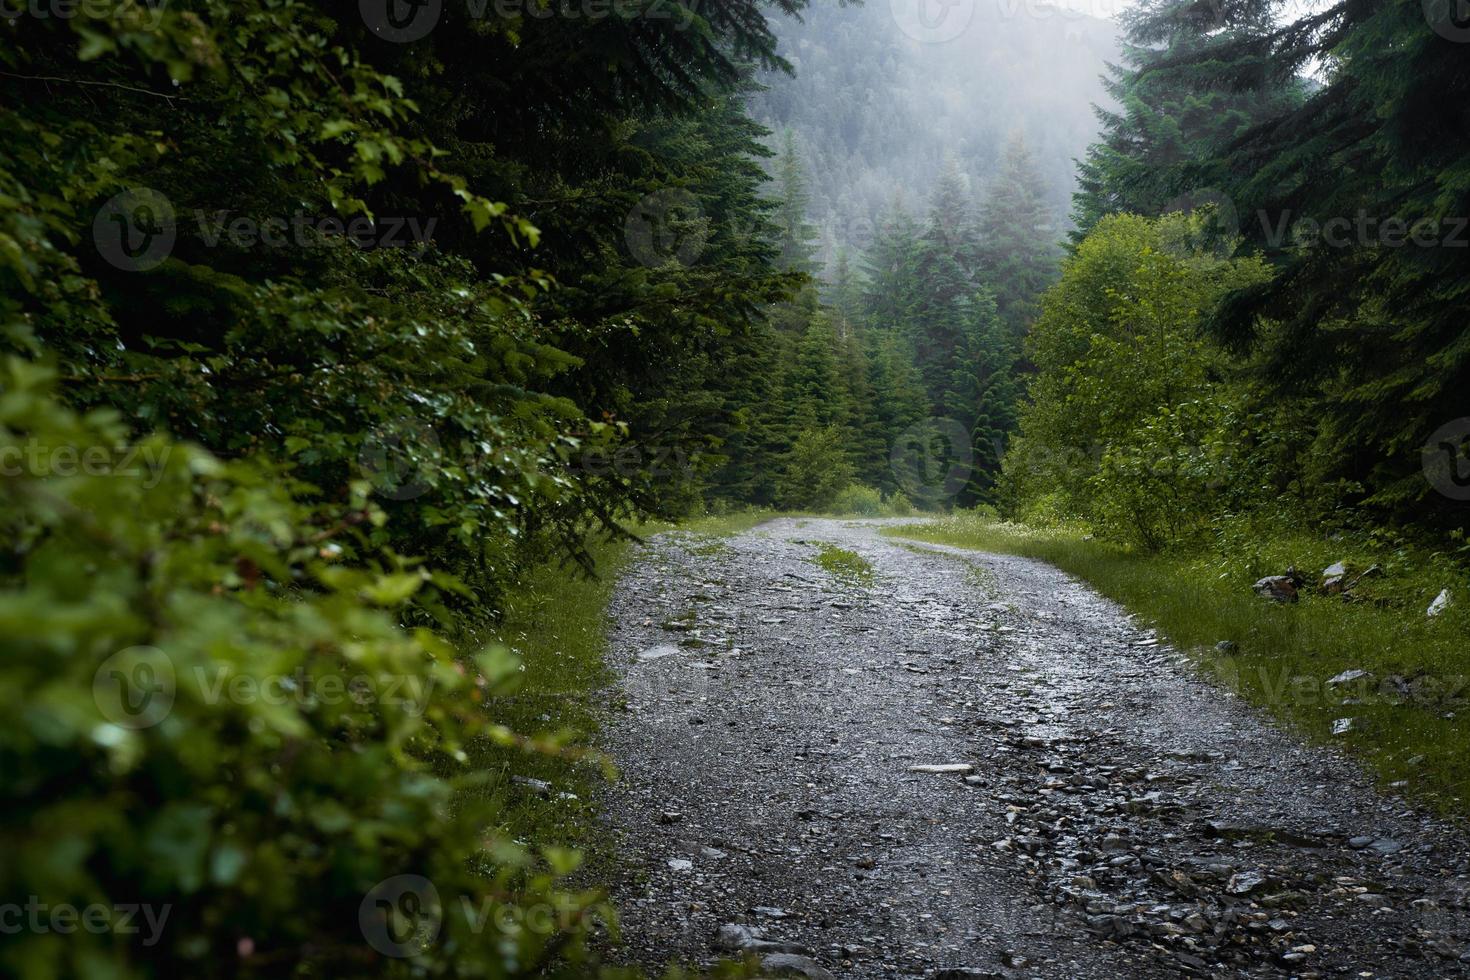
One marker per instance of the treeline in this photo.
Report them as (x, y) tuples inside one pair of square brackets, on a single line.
[(322, 321), (1262, 325), (897, 380)]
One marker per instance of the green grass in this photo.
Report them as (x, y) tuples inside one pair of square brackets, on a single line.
[(840, 563), (1286, 653)]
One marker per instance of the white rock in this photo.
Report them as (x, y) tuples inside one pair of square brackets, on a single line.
[(1440, 604), (1347, 677), (658, 652), (679, 864), (955, 767)]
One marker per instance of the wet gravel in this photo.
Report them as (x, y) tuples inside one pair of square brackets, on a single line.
[(972, 765)]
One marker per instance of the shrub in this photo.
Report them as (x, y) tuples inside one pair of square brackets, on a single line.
[(212, 715), (898, 505), (859, 500)]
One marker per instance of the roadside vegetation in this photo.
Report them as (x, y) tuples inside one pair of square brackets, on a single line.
[(1411, 710)]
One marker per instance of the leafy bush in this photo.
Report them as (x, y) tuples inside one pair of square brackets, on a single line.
[(325, 407), (859, 500), (1161, 483), (898, 505), (1131, 428), (213, 716)]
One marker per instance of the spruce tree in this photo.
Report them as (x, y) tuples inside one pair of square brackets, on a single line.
[(1195, 76), (1365, 329), (1017, 231), (797, 242)]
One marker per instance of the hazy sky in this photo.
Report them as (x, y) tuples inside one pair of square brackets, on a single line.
[(1095, 8), (1108, 8)]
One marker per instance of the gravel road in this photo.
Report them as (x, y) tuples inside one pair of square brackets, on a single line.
[(1102, 813)]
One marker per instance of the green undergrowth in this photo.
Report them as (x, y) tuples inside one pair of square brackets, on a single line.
[(1284, 655)]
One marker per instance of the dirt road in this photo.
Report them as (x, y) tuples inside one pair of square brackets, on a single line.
[(1108, 813)]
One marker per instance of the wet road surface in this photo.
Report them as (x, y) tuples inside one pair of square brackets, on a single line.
[(972, 765)]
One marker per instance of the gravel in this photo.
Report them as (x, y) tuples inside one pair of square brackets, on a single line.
[(932, 777)]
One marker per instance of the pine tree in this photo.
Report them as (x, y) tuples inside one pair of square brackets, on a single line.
[(798, 237), (844, 293), (982, 392), (1195, 76), (891, 268), (1367, 332), (1018, 252), (816, 394), (900, 403)]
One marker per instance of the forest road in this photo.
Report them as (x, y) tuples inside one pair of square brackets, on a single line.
[(1119, 817)]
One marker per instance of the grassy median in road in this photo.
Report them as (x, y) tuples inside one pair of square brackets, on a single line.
[(1285, 654)]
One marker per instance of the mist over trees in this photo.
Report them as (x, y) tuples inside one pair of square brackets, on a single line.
[(925, 186), (878, 113)]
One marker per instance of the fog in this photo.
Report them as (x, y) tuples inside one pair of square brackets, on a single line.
[(885, 94)]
